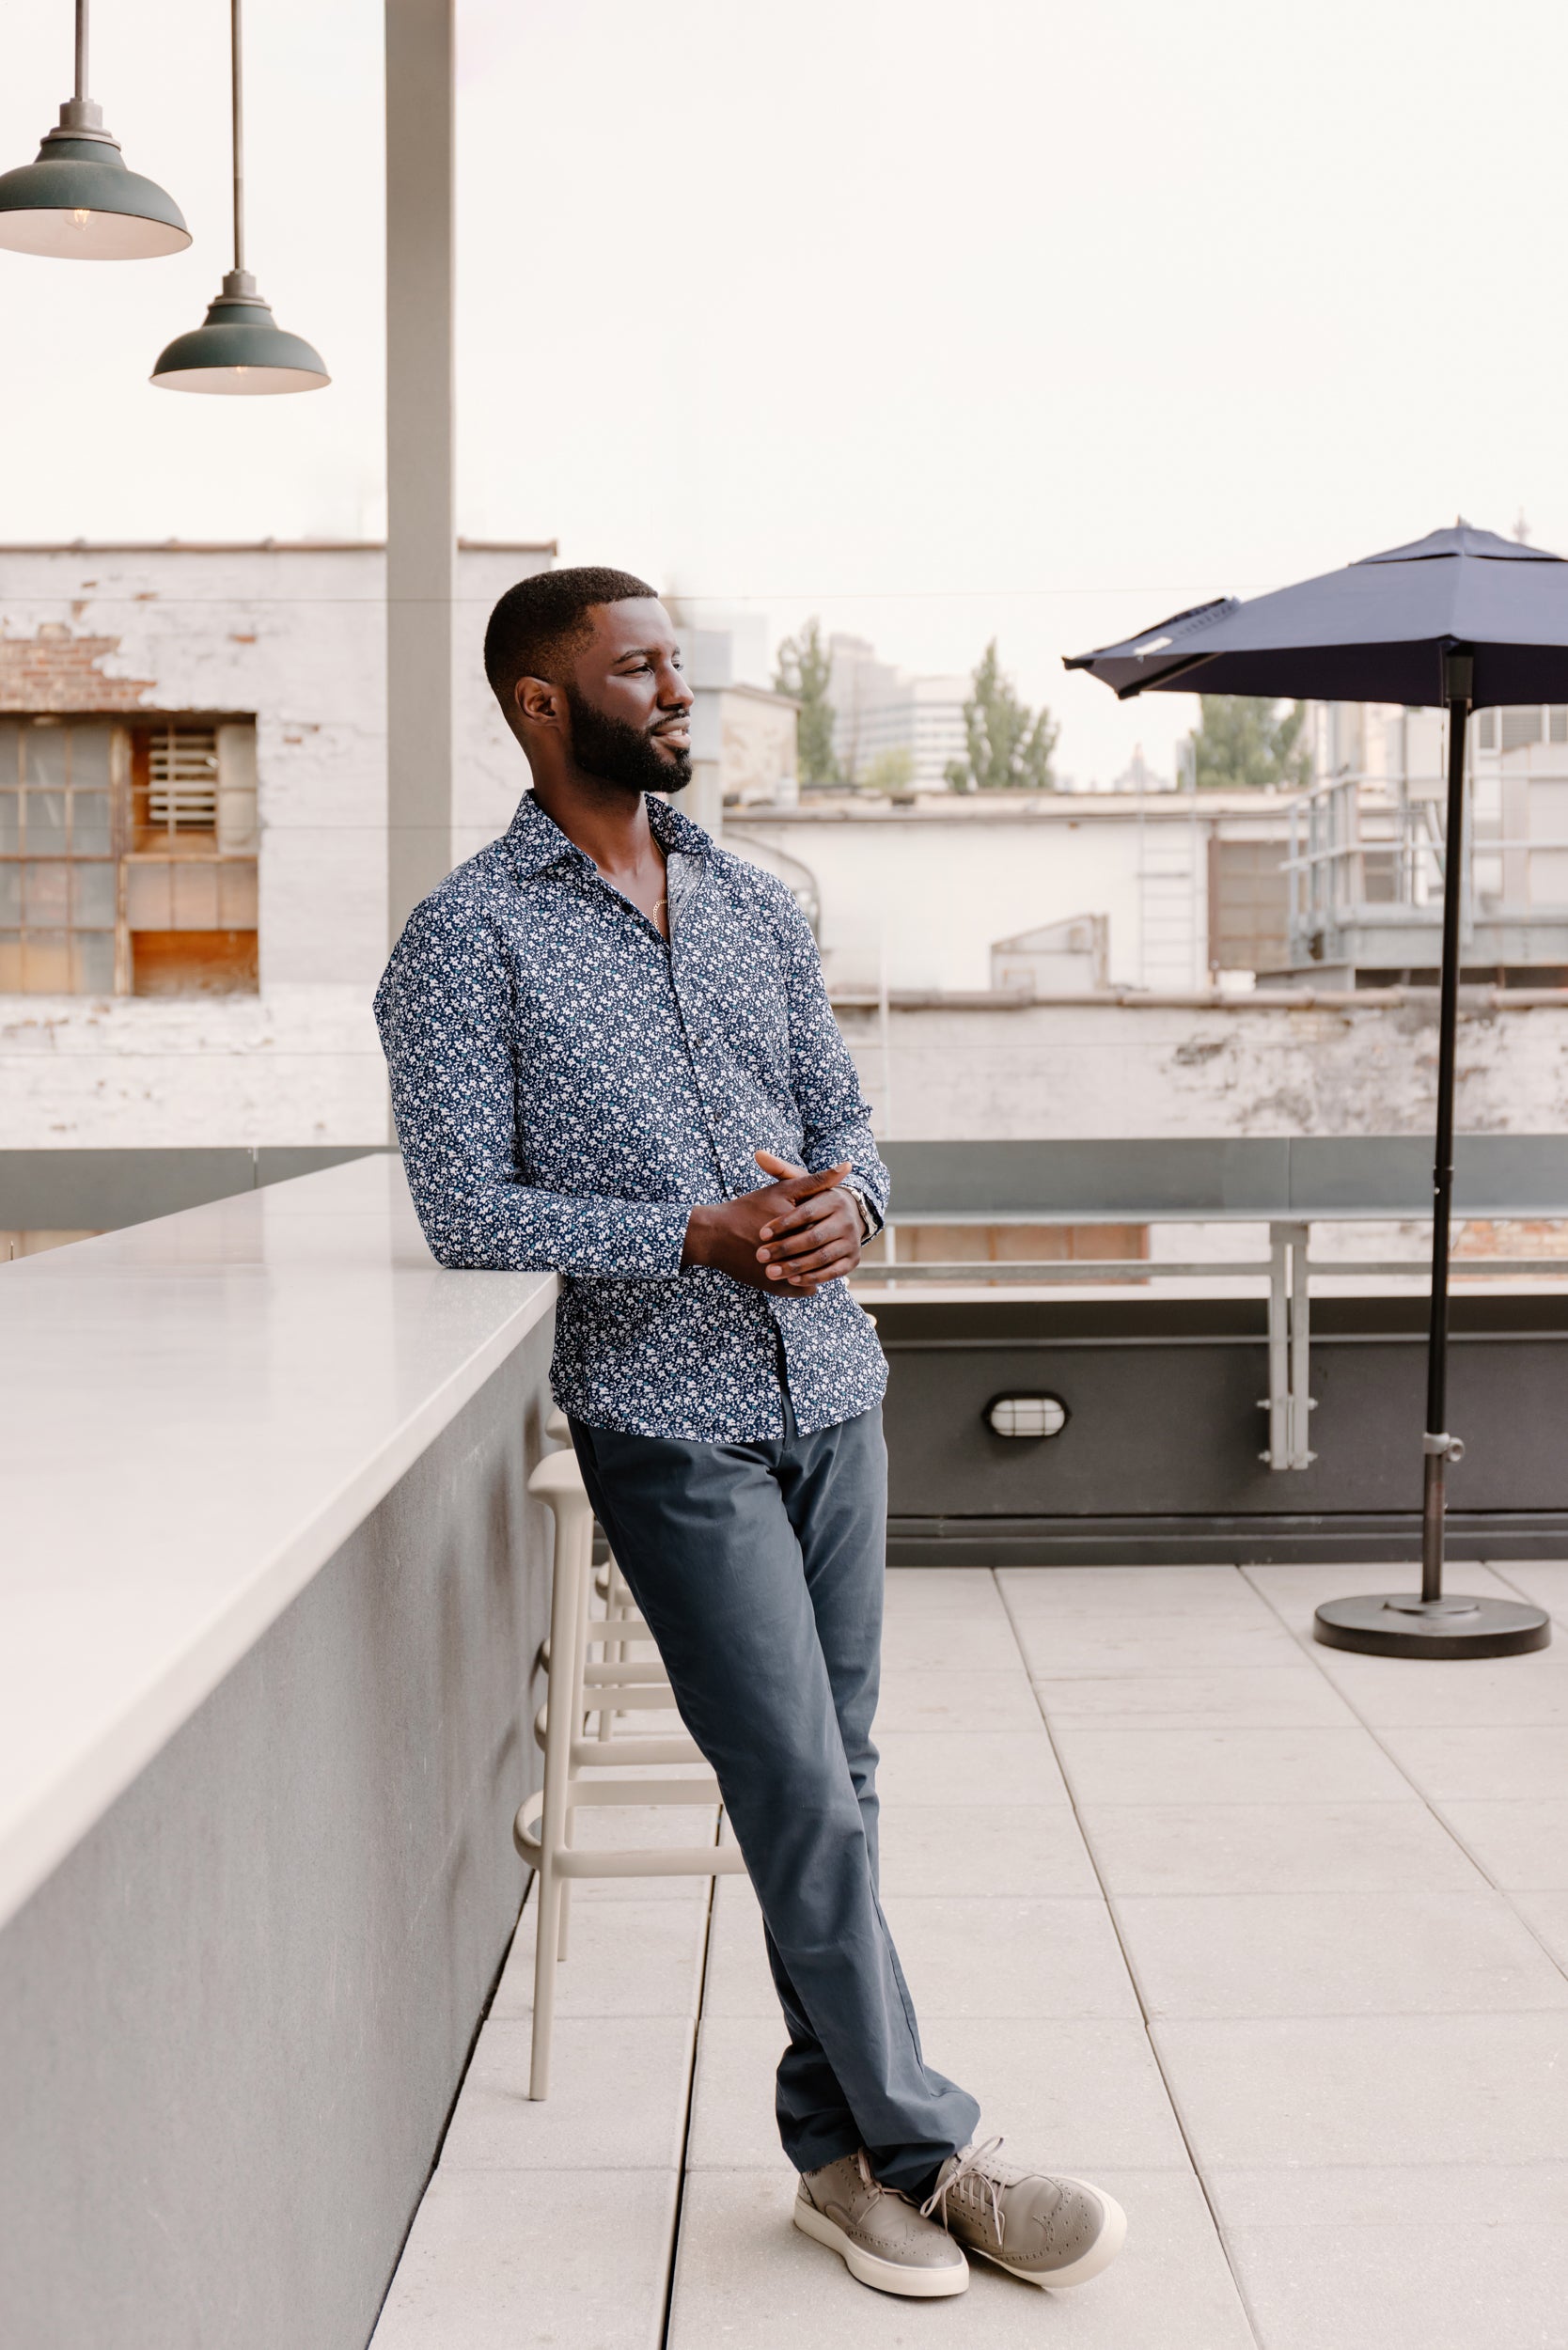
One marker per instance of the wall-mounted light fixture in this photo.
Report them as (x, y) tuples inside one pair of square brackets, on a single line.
[(1027, 1415), (78, 202), (239, 347)]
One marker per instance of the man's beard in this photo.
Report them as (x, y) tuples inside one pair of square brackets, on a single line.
[(613, 752)]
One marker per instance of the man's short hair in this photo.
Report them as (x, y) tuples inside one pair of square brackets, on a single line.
[(545, 618)]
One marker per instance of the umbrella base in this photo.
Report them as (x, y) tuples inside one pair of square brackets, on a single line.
[(1401, 1625)]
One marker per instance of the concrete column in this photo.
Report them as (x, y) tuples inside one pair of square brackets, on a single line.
[(421, 531)]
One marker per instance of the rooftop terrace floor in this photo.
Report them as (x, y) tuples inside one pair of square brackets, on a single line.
[(1271, 1940)]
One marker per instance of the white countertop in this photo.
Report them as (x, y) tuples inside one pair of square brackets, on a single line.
[(193, 1414)]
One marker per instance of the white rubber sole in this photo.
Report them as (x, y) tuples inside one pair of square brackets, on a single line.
[(1098, 2258), (913, 2284)]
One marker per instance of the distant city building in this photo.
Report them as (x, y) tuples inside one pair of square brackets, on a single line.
[(1365, 908), (744, 734), (892, 731)]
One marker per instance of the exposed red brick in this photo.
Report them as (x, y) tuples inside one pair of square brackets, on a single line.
[(56, 671)]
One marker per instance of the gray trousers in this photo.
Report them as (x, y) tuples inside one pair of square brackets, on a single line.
[(759, 1570)]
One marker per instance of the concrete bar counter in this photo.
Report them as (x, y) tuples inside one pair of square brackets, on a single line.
[(271, 1590)]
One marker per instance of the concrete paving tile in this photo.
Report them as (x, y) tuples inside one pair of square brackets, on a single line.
[(1115, 1590), (1481, 1765), (1295, 1591), (953, 1702), (966, 1591), (502, 2261), (1314, 2091), (1012, 1958), (739, 1981), (1259, 1848), (1543, 1580), (1442, 2195), (914, 1638), (623, 1958), (1335, 1954), (1523, 1847), (1404, 2288), (617, 2096), (1400, 1692), (733, 2115), (1136, 1640), (1282, 1766), (1006, 1848), (1547, 1913), (1080, 2096), (1270, 1697), (963, 1956), (969, 1770), (744, 2276)]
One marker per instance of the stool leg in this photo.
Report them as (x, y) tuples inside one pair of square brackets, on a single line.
[(564, 1610), (583, 1539)]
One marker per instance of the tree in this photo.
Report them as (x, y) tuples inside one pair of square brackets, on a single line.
[(892, 770), (805, 667), (1009, 745), (1242, 744)]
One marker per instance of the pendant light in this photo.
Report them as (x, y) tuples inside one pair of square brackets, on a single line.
[(78, 202), (239, 347)]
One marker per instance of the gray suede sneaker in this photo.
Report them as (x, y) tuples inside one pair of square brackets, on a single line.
[(881, 2239), (1049, 2231)]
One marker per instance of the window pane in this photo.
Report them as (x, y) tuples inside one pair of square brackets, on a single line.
[(89, 756), (45, 890), (11, 894), (10, 821), (10, 754), (46, 963), (90, 823), (43, 754), (44, 818), (10, 963), (94, 955), (92, 897)]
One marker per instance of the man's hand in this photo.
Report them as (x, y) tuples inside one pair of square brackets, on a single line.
[(795, 1233)]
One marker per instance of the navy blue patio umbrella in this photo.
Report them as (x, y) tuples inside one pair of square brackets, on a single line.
[(1464, 621)]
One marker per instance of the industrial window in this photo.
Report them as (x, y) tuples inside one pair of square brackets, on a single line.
[(1248, 905), (57, 872), (1520, 726), (127, 857)]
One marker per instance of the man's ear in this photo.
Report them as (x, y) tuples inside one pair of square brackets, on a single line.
[(538, 702)]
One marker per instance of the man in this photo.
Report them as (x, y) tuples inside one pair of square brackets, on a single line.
[(600, 1032)]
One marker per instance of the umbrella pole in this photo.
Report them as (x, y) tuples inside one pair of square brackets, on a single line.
[(1438, 1447), (1396, 1623)]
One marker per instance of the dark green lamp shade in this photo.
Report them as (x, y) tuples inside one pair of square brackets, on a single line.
[(79, 203), (240, 350)]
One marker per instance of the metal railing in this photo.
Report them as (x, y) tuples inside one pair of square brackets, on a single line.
[(1289, 1268)]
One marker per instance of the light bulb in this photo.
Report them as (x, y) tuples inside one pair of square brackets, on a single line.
[(79, 219)]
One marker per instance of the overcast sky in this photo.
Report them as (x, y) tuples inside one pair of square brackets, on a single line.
[(941, 321)]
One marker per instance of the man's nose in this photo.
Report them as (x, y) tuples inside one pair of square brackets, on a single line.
[(674, 693)]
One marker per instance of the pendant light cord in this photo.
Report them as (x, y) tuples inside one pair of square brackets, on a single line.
[(81, 49), (239, 134)]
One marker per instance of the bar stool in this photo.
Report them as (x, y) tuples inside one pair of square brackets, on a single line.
[(578, 1686)]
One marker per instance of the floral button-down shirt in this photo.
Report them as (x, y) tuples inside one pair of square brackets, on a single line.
[(568, 1087)]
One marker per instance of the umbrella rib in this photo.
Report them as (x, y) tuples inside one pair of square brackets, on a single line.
[(1176, 668)]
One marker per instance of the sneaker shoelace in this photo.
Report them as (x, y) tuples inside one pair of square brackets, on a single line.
[(978, 2163)]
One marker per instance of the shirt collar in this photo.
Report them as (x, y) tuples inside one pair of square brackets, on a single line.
[(534, 841)]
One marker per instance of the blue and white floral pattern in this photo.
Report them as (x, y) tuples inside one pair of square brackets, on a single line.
[(568, 1087)]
